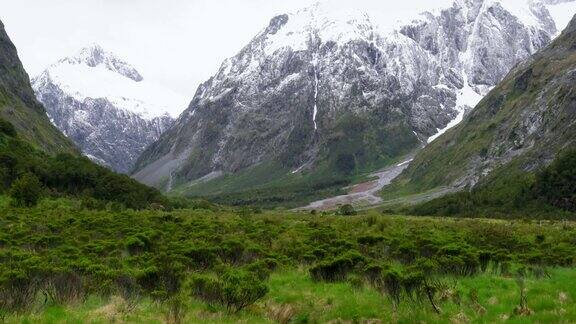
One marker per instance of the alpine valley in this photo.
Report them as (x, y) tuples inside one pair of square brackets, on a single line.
[(323, 95), (435, 158)]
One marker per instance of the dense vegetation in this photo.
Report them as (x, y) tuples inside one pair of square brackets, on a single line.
[(508, 192), (233, 263), (270, 185), (28, 174)]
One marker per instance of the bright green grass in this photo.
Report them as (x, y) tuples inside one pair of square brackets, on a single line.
[(293, 293)]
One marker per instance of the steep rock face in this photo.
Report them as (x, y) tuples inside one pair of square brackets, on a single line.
[(523, 123), (105, 106), (337, 88), (19, 106)]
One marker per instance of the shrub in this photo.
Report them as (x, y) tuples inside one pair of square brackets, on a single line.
[(242, 289), (207, 289), (8, 170), (412, 283), (65, 288), (201, 257), (26, 191), (235, 290), (17, 294), (370, 239), (128, 289), (373, 272), (347, 210), (162, 282), (139, 243), (262, 268), (346, 163), (391, 284), (336, 269)]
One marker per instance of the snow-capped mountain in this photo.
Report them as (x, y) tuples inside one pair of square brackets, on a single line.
[(346, 90), (520, 127), (105, 106)]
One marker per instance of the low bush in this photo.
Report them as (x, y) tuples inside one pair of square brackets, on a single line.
[(65, 288), (336, 269), (26, 191), (346, 210), (235, 289)]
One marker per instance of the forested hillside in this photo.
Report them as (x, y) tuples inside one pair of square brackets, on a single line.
[(28, 174)]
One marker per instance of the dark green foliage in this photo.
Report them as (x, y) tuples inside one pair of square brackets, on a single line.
[(79, 176), (556, 185), (17, 295), (346, 163), (7, 128), (336, 269), (347, 210), (510, 193), (26, 191), (370, 239), (392, 284), (64, 288), (62, 253), (285, 194), (235, 289), (68, 175), (8, 171), (20, 280)]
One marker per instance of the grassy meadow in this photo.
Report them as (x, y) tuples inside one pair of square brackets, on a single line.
[(61, 262)]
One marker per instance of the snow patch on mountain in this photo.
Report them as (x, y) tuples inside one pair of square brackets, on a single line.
[(467, 98), (105, 106), (285, 95), (95, 73)]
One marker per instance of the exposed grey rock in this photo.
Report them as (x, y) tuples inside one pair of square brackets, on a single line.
[(312, 88), (102, 104)]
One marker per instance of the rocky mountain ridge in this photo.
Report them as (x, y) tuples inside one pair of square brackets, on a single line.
[(519, 128), (320, 89), (105, 106)]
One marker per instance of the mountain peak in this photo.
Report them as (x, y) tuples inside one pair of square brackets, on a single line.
[(95, 55), (94, 72)]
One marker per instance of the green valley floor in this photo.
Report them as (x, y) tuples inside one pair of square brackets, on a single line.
[(295, 298), (62, 262)]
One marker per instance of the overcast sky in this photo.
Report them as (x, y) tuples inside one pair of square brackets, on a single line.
[(178, 43)]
